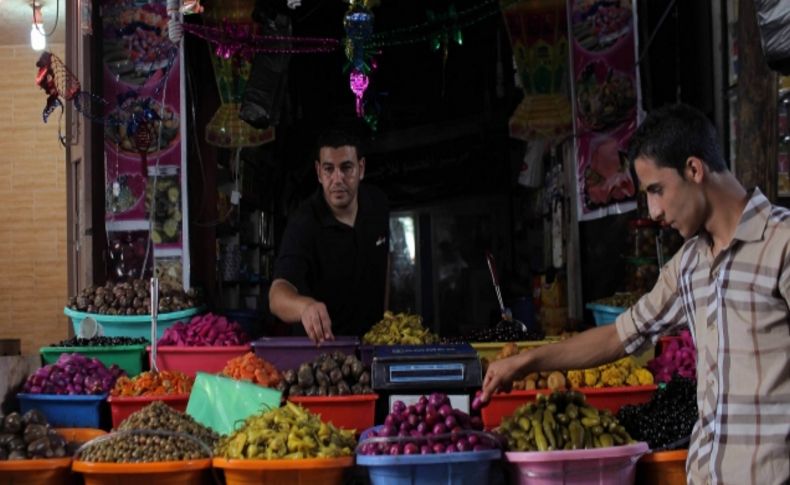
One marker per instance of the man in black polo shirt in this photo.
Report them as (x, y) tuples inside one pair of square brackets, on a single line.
[(331, 272)]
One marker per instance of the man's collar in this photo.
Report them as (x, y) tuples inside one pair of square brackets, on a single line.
[(754, 218)]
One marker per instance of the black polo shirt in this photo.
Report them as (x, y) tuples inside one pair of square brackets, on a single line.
[(343, 267)]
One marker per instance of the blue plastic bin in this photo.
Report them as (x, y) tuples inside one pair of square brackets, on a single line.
[(605, 314), (467, 468), (65, 411), (131, 325)]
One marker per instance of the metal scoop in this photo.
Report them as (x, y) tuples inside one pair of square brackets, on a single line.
[(154, 318), (507, 316)]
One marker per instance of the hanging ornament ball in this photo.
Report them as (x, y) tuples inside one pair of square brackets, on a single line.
[(358, 23)]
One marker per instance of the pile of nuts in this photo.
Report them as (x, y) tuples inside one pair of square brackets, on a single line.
[(131, 298)]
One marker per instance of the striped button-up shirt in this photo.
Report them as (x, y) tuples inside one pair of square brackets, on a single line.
[(737, 306)]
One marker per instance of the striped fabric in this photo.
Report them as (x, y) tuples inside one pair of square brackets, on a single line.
[(737, 306)]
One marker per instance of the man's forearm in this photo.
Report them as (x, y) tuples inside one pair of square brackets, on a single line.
[(588, 349), (286, 303)]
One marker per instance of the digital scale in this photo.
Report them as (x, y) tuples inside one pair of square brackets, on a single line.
[(406, 372)]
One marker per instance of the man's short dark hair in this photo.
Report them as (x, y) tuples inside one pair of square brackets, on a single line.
[(336, 138), (673, 133)]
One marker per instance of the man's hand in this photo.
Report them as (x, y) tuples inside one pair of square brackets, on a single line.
[(316, 322), (501, 374)]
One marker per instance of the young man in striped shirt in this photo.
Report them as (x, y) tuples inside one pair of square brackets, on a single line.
[(729, 284)]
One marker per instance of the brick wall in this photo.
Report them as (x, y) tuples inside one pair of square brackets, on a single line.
[(32, 207)]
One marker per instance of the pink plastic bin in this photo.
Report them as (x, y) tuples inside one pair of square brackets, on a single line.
[(191, 360), (615, 465)]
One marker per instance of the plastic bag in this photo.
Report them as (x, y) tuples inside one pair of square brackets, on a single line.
[(222, 403)]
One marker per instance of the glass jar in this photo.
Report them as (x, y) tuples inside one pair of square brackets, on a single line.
[(641, 238)]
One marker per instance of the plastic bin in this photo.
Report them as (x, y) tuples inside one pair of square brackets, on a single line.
[(604, 314), (52, 471), (130, 358), (79, 435), (324, 471), (347, 412), (69, 411), (467, 468), (121, 407), (612, 398), (158, 473), (289, 352), (131, 325), (614, 465), (191, 360), (489, 350), (662, 468)]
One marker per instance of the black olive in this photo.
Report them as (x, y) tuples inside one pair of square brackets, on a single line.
[(12, 423)]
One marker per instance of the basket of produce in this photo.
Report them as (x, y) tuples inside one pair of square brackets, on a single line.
[(662, 468), (290, 352), (155, 445), (562, 439), (677, 355), (71, 391), (204, 344), (337, 387), (125, 352), (609, 386), (33, 453), (395, 329), (606, 310), (122, 309), (305, 450), (130, 395), (428, 443)]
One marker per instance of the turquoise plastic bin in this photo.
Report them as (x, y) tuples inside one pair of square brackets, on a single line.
[(131, 325), (65, 411), (605, 314)]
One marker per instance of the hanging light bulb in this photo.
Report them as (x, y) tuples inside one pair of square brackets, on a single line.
[(38, 40)]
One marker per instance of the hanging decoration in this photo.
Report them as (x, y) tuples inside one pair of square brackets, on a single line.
[(231, 39), (437, 27), (57, 81), (232, 65), (449, 31), (358, 24)]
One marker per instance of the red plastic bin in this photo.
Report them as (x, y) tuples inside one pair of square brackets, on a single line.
[(347, 412), (662, 468), (191, 360), (121, 406), (612, 398)]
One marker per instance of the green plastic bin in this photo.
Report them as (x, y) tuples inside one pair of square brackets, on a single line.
[(130, 358)]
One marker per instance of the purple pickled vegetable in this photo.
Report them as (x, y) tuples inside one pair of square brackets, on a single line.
[(73, 374), (410, 449), (426, 450)]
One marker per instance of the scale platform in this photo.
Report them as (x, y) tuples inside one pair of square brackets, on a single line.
[(439, 367), (405, 372)]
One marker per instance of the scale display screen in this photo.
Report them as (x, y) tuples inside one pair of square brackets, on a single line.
[(449, 372)]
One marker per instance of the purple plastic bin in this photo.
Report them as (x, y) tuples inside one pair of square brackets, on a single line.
[(615, 465), (289, 352)]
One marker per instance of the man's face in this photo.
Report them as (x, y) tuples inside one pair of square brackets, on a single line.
[(339, 172), (674, 200)]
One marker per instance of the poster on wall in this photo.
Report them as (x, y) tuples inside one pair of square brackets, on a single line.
[(606, 97), (144, 153)]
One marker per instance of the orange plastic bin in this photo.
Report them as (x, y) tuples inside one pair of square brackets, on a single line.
[(346, 412), (503, 405), (51, 471), (191, 360), (122, 407), (324, 471), (191, 472), (662, 468)]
